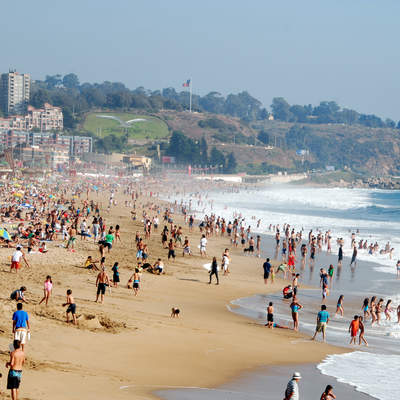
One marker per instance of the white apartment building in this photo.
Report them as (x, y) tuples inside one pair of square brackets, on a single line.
[(14, 92)]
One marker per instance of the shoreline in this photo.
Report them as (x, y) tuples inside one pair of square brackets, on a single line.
[(268, 382), (134, 340)]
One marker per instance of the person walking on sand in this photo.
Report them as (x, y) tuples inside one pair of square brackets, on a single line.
[(353, 329), (136, 281), (71, 307), (21, 326), (214, 270), (16, 259), (115, 270), (226, 259), (328, 393), (292, 389), (16, 363), (102, 282), (48, 287), (322, 321), (295, 307), (203, 246), (267, 270)]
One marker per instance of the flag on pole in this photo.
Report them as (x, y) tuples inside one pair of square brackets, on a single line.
[(186, 84)]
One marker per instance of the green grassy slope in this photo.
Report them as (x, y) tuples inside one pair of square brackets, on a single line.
[(153, 128)]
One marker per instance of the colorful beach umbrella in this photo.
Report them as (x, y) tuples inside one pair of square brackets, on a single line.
[(4, 234)]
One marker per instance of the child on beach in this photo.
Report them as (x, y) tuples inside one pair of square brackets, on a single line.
[(71, 307), (339, 306), (136, 281), (328, 393), (353, 329), (398, 314), (270, 315), (379, 311), (115, 271), (365, 308), (48, 287), (295, 307), (388, 310), (362, 329)]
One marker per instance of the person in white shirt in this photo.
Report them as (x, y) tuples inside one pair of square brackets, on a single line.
[(203, 245), (292, 389), (16, 259)]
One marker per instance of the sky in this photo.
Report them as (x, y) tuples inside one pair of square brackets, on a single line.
[(305, 51)]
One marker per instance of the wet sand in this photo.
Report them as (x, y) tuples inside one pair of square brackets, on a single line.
[(269, 383)]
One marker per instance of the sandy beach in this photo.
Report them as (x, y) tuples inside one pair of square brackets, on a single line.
[(132, 341)]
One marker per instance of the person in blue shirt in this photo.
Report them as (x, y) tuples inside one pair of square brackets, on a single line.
[(21, 325), (267, 270), (322, 321)]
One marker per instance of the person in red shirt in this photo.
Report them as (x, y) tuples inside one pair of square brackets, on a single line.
[(291, 262), (353, 329)]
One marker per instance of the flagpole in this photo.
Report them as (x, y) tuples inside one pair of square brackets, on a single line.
[(190, 95)]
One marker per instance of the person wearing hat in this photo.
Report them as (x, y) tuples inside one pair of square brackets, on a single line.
[(292, 389)]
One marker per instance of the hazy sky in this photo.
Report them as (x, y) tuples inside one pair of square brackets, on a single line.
[(305, 51)]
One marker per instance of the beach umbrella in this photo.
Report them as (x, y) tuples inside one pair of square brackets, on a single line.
[(18, 194), (4, 234)]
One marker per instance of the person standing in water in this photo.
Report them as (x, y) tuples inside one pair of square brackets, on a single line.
[(322, 321), (295, 306), (354, 257), (339, 306), (365, 308), (340, 255), (353, 329), (361, 338)]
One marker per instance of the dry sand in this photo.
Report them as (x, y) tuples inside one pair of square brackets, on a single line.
[(132, 340)]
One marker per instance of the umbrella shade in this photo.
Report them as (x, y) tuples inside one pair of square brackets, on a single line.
[(4, 234)]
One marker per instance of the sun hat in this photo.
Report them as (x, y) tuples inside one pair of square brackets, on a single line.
[(296, 375)]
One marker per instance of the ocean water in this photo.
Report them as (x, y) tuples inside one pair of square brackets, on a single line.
[(375, 374), (371, 214)]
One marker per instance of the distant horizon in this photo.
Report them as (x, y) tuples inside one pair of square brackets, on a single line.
[(305, 52)]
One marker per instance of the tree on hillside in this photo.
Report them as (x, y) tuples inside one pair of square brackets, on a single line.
[(184, 149), (70, 81), (263, 137), (231, 163), (280, 109), (203, 151), (217, 158), (39, 97), (94, 97), (213, 102), (53, 81), (300, 113)]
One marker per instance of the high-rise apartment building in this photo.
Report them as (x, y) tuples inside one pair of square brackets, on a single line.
[(14, 92)]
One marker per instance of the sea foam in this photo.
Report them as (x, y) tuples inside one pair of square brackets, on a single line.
[(370, 373)]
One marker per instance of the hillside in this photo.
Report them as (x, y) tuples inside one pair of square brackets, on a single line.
[(152, 128), (263, 146)]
